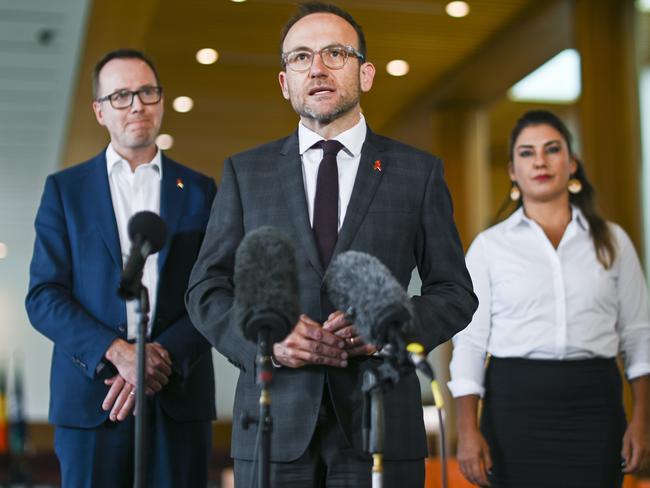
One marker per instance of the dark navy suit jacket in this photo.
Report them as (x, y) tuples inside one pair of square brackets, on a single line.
[(73, 300)]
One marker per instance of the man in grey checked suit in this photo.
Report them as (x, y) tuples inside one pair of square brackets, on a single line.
[(393, 203)]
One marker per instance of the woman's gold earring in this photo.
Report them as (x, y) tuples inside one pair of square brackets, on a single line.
[(574, 186), (515, 192)]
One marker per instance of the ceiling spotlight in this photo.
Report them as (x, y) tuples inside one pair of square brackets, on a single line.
[(207, 55), (183, 104), (397, 67), (164, 141), (238, 1), (4, 250), (457, 9)]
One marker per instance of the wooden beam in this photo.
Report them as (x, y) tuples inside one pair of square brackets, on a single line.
[(609, 109)]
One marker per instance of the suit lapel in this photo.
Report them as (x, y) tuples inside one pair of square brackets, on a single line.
[(102, 208), (365, 185), (172, 199), (290, 173)]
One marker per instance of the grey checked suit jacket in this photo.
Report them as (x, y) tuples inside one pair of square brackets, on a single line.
[(401, 214)]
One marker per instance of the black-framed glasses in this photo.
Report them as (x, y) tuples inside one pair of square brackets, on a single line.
[(334, 57), (148, 95)]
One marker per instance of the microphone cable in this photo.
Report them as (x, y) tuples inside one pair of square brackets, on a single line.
[(416, 351)]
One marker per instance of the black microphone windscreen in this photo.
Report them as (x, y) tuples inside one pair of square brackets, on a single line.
[(266, 284), (150, 227), (361, 286)]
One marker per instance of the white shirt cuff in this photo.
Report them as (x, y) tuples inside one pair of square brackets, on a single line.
[(462, 387), (637, 370)]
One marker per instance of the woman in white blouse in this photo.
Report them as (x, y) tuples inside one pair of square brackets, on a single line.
[(561, 293)]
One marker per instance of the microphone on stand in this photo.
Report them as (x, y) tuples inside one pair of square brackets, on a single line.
[(265, 308), (365, 290), (266, 285), (148, 234)]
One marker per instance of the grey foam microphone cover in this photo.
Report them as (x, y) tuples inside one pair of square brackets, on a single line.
[(266, 284), (364, 288)]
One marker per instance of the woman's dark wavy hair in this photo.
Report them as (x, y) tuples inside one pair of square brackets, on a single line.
[(585, 200)]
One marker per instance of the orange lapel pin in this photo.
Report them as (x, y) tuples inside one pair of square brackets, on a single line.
[(377, 166), (179, 183)]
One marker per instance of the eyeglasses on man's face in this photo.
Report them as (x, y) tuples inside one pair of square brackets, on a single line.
[(148, 95), (334, 57)]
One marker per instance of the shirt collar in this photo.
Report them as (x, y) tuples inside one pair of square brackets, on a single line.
[(578, 217), (352, 139), (113, 160), (518, 217)]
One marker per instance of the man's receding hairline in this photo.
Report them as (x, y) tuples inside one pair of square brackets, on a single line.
[(356, 36)]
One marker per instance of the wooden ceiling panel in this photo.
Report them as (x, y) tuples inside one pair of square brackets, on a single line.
[(238, 103)]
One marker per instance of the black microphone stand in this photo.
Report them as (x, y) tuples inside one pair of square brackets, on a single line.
[(137, 291), (142, 310), (375, 381), (265, 421), (265, 338)]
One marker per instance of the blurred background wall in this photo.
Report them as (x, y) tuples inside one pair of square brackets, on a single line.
[(452, 79)]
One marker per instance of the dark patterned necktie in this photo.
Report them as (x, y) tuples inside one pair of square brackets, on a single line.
[(326, 201)]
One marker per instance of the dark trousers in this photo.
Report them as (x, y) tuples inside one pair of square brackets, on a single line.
[(329, 462), (103, 457)]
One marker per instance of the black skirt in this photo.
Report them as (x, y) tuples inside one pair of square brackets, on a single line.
[(554, 424)]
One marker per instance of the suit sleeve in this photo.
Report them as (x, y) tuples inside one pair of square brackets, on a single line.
[(182, 340), (210, 293), (447, 300), (50, 303)]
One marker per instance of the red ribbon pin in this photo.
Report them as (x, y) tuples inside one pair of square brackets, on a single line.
[(377, 166), (179, 183)]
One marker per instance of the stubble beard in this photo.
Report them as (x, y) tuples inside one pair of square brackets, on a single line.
[(344, 106), (327, 117)]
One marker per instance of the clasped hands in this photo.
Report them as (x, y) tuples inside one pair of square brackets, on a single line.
[(329, 344), (120, 399)]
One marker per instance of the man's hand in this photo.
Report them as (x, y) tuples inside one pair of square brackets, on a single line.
[(158, 366), (340, 326), (310, 343), (120, 399)]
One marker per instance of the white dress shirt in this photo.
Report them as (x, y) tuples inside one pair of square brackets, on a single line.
[(347, 162), (539, 302), (133, 192)]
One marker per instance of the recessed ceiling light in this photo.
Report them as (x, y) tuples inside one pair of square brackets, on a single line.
[(557, 80), (4, 250), (457, 9), (397, 67), (183, 104), (207, 55), (238, 1), (164, 141)]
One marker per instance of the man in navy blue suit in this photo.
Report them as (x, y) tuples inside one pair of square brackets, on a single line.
[(81, 245)]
